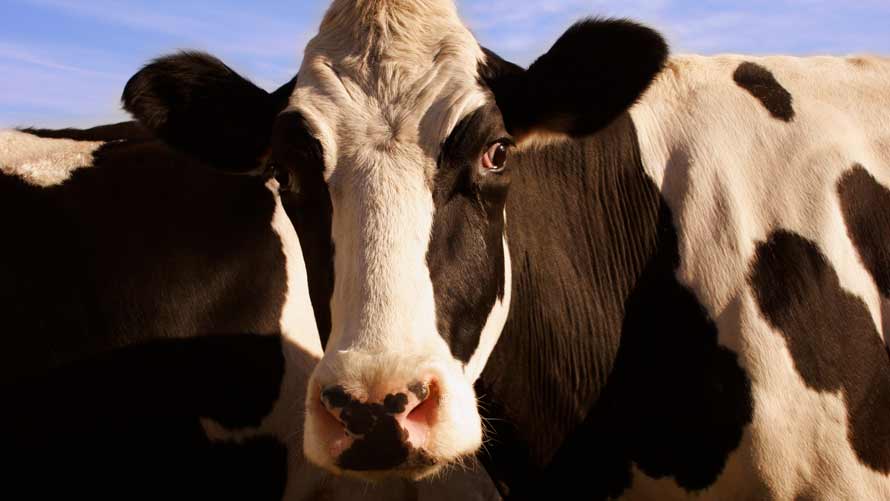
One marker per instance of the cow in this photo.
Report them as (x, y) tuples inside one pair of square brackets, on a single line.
[(659, 277), (158, 328)]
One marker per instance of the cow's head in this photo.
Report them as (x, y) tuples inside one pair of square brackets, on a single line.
[(198, 105), (414, 124), (396, 143)]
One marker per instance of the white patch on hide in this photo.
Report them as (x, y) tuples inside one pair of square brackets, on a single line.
[(43, 162)]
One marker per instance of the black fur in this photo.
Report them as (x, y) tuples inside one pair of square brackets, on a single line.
[(124, 423), (761, 83), (149, 460), (88, 262), (593, 73), (866, 208), (199, 105), (833, 340), (466, 250), (122, 131), (232, 378), (308, 205), (619, 362)]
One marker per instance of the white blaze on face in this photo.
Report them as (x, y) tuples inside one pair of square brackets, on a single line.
[(302, 350), (493, 325), (297, 322), (381, 225), (381, 87), (40, 161)]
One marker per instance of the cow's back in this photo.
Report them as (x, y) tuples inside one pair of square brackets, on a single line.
[(141, 245)]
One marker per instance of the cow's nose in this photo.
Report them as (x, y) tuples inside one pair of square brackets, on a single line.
[(383, 431)]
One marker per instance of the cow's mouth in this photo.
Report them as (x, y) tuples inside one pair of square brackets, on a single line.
[(366, 460), (372, 446), (384, 448)]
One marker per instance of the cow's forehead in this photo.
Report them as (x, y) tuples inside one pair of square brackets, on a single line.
[(384, 79)]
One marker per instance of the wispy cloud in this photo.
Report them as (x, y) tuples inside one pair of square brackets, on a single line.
[(52, 86), (27, 55), (77, 48), (129, 15), (43, 96), (523, 30), (240, 29), (500, 13)]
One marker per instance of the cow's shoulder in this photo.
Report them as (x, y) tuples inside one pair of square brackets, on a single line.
[(767, 164), (762, 103), (741, 145), (771, 81)]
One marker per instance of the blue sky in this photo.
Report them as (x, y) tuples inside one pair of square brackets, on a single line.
[(65, 62)]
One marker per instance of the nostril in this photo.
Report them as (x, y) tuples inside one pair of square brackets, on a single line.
[(420, 420), (420, 389), (425, 410), (334, 397)]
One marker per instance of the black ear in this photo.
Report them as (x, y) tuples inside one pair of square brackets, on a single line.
[(592, 74), (199, 105)]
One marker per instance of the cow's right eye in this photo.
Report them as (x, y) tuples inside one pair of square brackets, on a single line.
[(495, 159)]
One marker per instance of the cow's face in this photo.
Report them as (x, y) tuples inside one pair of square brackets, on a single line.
[(416, 124)]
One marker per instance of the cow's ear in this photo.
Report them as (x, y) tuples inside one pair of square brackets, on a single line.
[(199, 105), (592, 74)]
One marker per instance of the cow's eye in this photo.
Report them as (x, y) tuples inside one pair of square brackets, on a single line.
[(280, 174), (495, 159)]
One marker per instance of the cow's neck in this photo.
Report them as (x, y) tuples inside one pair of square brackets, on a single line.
[(582, 225)]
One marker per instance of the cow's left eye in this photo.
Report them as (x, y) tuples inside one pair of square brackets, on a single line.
[(281, 174), (495, 159)]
